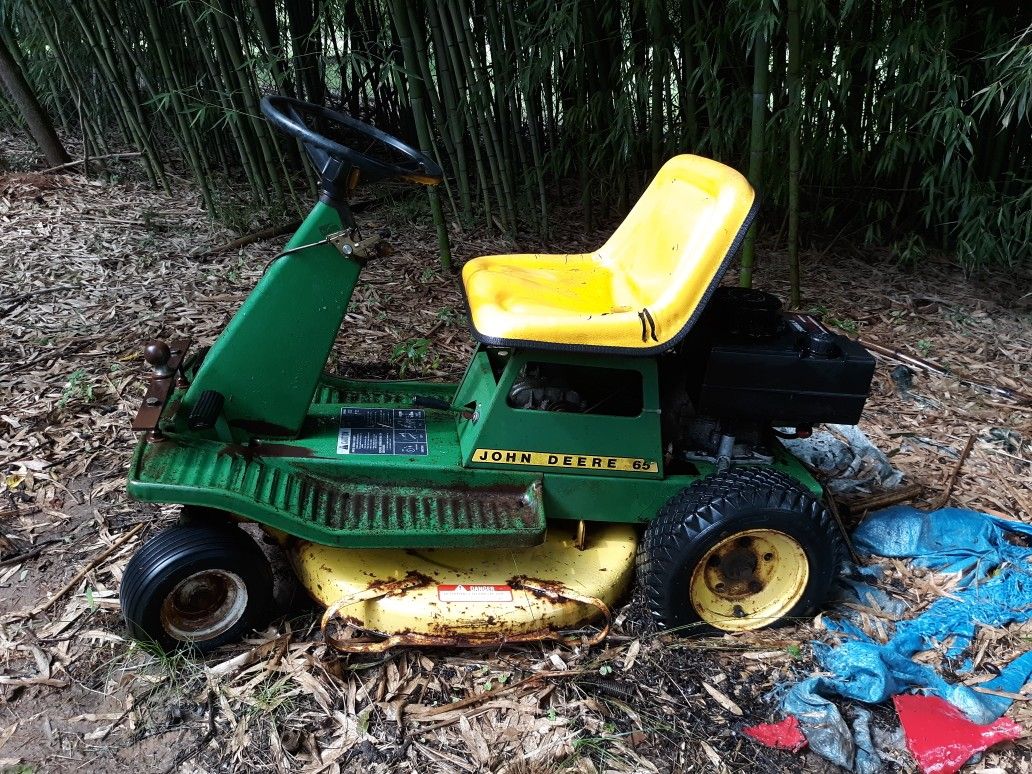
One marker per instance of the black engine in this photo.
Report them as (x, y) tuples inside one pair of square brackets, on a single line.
[(745, 368), (748, 367), (776, 367)]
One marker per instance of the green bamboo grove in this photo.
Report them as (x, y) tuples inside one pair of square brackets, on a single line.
[(903, 123)]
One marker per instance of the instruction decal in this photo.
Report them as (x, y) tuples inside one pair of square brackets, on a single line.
[(382, 431), (557, 460), (474, 593)]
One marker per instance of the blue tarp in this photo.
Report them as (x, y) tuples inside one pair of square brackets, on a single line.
[(995, 589)]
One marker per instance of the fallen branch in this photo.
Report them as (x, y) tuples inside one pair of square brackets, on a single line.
[(240, 662), (26, 682), (247, 239), (16, 511), (128, 154), (942, 499), (1004, 694), (833, 507), (26, 555), (123, 538), (470, 701), (885, 499), (13, 302), (926, 365)]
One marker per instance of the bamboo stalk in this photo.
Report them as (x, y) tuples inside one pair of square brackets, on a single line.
[(261, 131), (533, 119), (453, 114), (92, 131), (215, 74), (455, 59), (97, 97), (756, 141), (476, 77), (127, 113), (264, 12), (658, 35), (436, 109), (401, 21), (250, 77), (510, 113), (233, 104), (186, 135), (795, 115)]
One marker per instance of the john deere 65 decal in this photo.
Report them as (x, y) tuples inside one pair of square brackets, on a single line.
[(556, 460)]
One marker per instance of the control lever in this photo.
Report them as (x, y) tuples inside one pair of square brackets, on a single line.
[(423, 401), (362, 250)]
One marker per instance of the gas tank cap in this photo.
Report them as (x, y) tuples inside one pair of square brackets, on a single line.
[(822, 344)]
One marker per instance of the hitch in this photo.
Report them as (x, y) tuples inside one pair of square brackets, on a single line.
[(165, 360)]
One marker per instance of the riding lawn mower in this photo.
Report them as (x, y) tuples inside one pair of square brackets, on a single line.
[(621, 416)]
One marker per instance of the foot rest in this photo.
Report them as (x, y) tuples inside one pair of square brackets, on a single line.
[(386, 516), (334, 512)]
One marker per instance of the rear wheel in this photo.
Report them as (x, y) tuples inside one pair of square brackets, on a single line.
[(196, 586), (739, 550)]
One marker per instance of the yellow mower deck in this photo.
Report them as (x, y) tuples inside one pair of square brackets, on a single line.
[(464, 597)]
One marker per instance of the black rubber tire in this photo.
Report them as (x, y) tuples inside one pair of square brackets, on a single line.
[(176, 553), (693, 521)]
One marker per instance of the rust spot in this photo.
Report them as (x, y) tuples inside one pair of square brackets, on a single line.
[(552, 590), (312, 424), (378, 503), (258, 450), (261, 427), (442, 635), (393, 588), (439, 639)]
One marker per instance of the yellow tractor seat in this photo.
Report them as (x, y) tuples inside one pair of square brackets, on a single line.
[(641, 291)]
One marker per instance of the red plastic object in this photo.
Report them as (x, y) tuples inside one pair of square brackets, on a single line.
[(784, 735), (941, 739)]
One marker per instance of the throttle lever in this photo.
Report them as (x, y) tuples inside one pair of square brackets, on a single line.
[(363, 249)]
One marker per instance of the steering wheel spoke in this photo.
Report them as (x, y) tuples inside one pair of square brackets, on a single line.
[(385, 157)]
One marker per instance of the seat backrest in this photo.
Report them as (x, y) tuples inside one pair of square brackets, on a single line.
[(674, 243)]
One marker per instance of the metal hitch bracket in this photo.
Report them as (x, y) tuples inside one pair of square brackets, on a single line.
[(166, 363)]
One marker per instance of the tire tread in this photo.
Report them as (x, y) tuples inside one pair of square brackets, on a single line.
[(199, 542), (709, 502)]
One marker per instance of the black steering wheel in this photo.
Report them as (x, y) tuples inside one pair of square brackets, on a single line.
[(382, 157)]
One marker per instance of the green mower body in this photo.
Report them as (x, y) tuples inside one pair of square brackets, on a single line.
[(466, 469), (430, 511)]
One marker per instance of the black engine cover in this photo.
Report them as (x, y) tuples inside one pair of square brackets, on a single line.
[(798, 374)]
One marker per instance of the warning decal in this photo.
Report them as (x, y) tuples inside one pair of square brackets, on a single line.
[(474, 593), (382, 431)]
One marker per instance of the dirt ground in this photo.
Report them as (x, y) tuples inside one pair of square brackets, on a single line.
[(90, 270)]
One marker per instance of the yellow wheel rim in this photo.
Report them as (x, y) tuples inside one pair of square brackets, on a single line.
[(749, 580)]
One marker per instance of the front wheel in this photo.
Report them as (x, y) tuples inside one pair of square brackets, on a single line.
[(737, 551), (196, 586)]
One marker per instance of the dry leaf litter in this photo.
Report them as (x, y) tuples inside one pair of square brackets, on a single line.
[(92, 269)]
